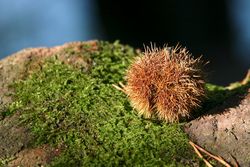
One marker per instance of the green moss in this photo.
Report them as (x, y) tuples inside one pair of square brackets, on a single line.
[(216, 95), (92, 121)]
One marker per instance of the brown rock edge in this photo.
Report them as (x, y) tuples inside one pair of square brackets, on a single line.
[(225, 131)]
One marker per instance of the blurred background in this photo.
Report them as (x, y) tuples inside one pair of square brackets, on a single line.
[(218, 30)]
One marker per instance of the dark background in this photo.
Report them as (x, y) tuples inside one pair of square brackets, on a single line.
[(218, 30)]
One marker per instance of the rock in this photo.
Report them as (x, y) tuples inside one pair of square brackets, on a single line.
[(225, 131), (39, 156), (13, 137)]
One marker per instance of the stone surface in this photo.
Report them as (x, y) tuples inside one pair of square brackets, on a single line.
[(34, 156), (226, 130), (13, 137)]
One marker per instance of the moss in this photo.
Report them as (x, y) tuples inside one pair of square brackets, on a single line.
[(81, 111), (216, 95)]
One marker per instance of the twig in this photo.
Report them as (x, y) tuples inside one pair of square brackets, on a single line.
[(246, 79), (243, 82), (199, 154), (118, 88), (218, 158), (235, 163), (121, 84)]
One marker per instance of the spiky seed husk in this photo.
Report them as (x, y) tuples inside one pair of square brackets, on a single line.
[(165, 82)]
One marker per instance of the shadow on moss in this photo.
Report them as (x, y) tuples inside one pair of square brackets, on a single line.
[(217, 95)]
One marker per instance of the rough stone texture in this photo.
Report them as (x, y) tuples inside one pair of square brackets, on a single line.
[(226, 130), (13, 137), (34, 157)]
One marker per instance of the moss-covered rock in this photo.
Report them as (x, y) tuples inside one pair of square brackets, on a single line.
[(79, 110), (67, 101)]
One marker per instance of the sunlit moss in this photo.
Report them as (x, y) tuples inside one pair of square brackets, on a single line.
[(95, 124)]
